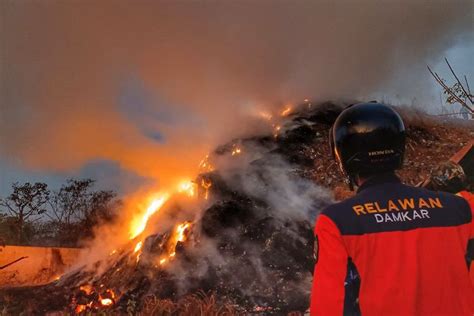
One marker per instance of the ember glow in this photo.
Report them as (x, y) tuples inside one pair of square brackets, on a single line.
[(286, 111), (139, 225), (86, 289), (276, 130), (96, 299), (80, 308), (206, 184), (180, 234), (236, 150), (109, 298), (205, 165), (106, 302), (180, 230)]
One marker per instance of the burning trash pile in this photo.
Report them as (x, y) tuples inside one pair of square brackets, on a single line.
[(240, 231)]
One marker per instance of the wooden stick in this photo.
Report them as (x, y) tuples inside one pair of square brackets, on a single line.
[(459, 82), (467, 84), (448, 90), (15, 261)]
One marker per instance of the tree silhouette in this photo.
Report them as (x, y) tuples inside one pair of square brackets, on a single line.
[(24, 203), (76, 208)]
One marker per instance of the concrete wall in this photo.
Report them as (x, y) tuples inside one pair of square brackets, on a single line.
[(42, 265)]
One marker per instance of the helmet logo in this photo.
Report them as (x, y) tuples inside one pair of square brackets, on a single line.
[(381, 152)]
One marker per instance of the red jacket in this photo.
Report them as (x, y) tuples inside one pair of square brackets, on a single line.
[(408, 245)]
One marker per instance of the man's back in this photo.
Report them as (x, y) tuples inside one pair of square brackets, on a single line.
[(408, 245)]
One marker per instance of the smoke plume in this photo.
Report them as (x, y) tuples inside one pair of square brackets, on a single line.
[(154, 85)]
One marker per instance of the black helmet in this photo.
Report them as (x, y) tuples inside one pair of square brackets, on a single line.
[(368, 138)]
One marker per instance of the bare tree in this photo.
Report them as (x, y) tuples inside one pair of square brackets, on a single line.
[(71, 202), (76, 208), (102, 207), (73, 211), (25, 203), (458, 93)]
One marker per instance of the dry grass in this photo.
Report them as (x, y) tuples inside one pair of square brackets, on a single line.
[(192, 305)]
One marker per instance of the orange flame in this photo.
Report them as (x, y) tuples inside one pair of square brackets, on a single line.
[(138, 246), (206, 184), (139, 225), (105, 299), (80, 308), (179, 235), (86, 289), (187, 187), (205, 165), (180, 231), (286, 111)]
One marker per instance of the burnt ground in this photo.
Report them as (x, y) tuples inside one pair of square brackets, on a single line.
[(265, 259)]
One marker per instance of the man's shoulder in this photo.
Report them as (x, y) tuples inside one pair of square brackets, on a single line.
[(339, 206), (446, 196), (468, 196), (341, 212)]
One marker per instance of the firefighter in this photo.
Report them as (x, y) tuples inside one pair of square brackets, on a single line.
[(406, 244)]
